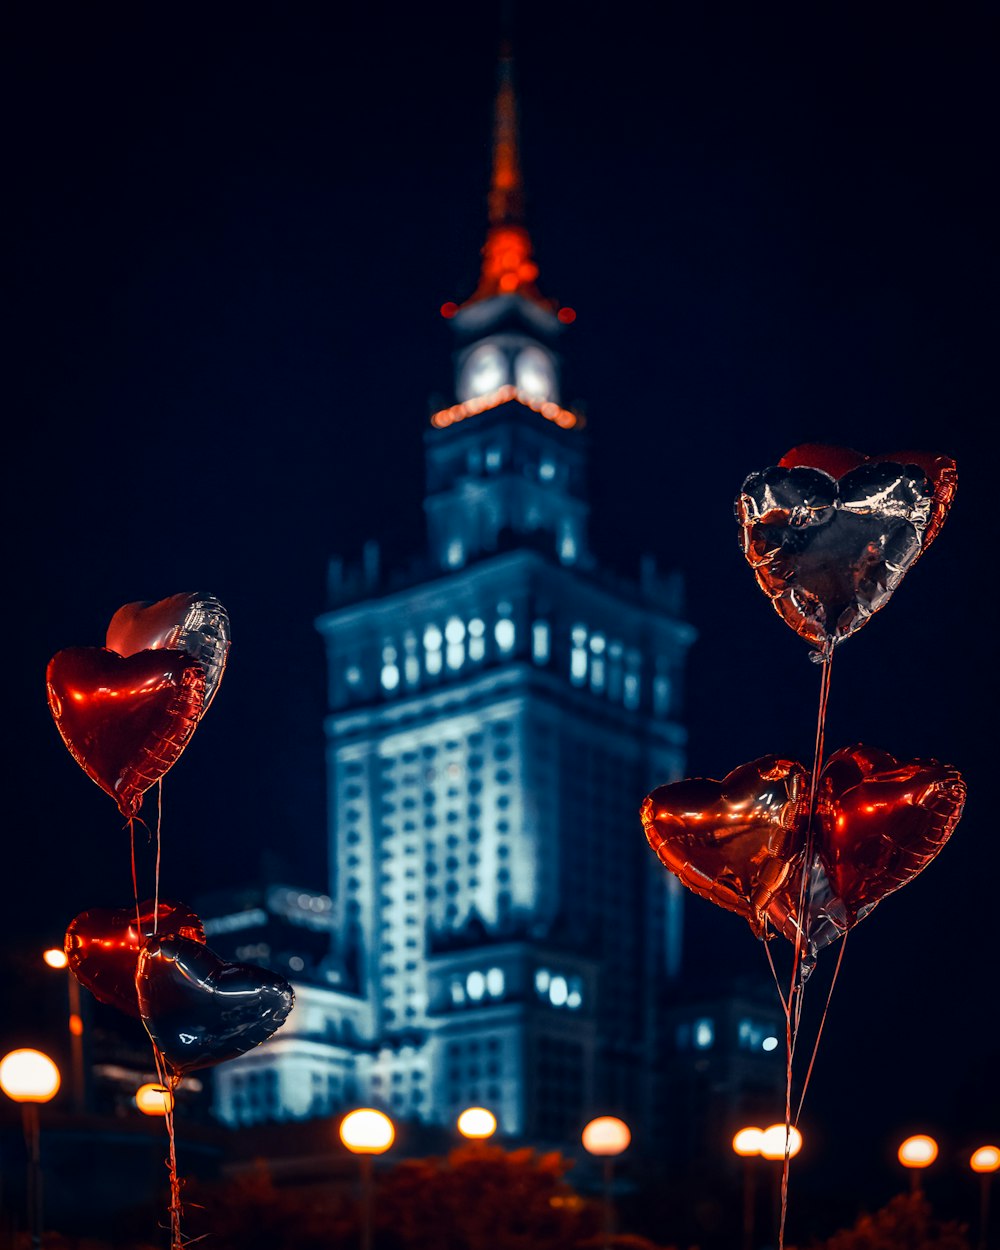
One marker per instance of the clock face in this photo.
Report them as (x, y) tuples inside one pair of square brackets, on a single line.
[(535, 374), (485, 370)]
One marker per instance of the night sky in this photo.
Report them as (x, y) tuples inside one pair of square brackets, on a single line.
[(229, 231)]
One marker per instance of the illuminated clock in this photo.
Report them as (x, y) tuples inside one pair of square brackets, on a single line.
[(535, 374), (484, 371)]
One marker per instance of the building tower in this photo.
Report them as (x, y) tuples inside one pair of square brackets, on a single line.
[(493, 726)]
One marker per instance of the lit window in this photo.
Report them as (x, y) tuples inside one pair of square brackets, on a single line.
[(432, 638), (578, 666), (504, 633), (495, 982), (475, 984), (542, 979), (769, 1043), (476, 628), (597, 673), (477, 643), (540, 642), (575, 997), (546, 470), (454, 631), (494, 459), (661, 695), (352, 675), (558, 991), (455, 553), (631, 692), (412, 670), (704, 1034), (567, 547), (390, 676), (578, 635)]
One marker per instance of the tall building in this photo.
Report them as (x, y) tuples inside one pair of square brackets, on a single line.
[(493, 725), (502, 934)]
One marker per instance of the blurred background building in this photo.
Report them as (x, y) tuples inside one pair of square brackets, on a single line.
[(496, 930)]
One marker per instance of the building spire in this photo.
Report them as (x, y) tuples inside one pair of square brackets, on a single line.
[(508, 267)]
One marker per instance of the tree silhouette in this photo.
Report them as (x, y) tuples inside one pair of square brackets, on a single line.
[(905, 1223)]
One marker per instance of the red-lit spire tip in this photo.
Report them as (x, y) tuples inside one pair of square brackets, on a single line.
[(508, 267)]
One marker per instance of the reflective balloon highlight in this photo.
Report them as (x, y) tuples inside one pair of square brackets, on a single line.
[(125, 720), (195, 623), (102, 946)]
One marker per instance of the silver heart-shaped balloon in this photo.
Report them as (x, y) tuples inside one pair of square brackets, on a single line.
[(195, 623)]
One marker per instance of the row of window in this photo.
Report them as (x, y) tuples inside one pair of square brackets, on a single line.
[(700, 1034)]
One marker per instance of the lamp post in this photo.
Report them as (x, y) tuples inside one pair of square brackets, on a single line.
[(746, 1144), (366, 1132), (916, 1153), (985, 1161), (30, 1077), (56, 958), (776, 1142), (606, 1138)]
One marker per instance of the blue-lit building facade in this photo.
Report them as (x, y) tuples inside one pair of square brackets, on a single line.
[(498, 932)]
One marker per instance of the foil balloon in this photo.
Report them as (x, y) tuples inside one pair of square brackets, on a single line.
[(880, 821), (199, 1010), (737, 841), (102, 946), (125, 720), (195, 623), (741, 842), (829, 545)]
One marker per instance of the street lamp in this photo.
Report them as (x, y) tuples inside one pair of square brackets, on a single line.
[(476, 1123), (985, 1161), (606, 1138), (154, 1099), (366, 1132), (746, 1144), (779, 1140), (30, 1077), (57, 959), (916, 1153)]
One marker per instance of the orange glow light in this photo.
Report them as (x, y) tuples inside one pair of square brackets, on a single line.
[(477, 1123), (29, 1076), (367, 1131), (919, 1151), (607, 1136), (747, 1141), (55, 958), (985, 1159), (562, 417), (76, 1025), (154, 1099), (772, 1142)]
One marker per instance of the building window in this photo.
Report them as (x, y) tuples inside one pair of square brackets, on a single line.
[(704, 1033), (578, 655), (475, 985), (432, 649), (504, 634), (454, 633), (540, 642), (390, 670), (495, 982), (477, 640)]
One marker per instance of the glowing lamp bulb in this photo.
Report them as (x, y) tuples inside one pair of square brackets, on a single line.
[(154, 1099), (748, 1140), (772, 1142), (367, 1132), (607, 1135), (985, 1159), (919, 1151), (55, 958), (29, 1076), (477, 1123)]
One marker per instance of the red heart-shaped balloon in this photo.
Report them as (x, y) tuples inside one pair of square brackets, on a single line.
[(200, 1010), (125, 720), (102, 946), (880, 821), (736, 841), (829, 545), (195, 623)]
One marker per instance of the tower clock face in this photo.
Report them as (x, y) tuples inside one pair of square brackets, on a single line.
[(484, 371), (535, 373)]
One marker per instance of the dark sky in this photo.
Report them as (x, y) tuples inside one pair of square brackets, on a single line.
[(229, 230)]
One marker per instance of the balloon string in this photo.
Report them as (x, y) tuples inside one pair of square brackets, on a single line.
[(819, 1034), (156, 883), (135, 879), (774, 973), (796, 989), (170, 1085)]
